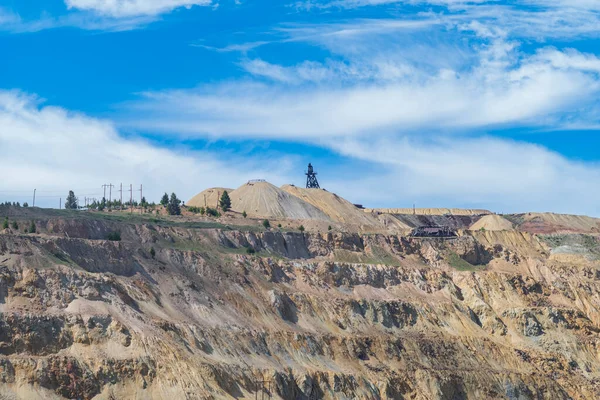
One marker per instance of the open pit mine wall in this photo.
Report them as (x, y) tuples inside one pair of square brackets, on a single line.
[(451, 221), (290, 245), (91, 319)]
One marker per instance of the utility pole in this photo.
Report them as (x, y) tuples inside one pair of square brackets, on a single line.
[(104, 186), (110, 193), (60, 204), (141, 197), (34, 197), (121, 192), (131, 197)]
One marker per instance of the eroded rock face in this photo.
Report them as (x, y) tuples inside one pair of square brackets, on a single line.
[(90, 319)]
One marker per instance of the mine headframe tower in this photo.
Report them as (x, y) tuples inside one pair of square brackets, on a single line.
[(311, 178)]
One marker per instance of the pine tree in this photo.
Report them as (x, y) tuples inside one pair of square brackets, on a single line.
[(244, 214), (266, 224), (71, 202), (225, 202), (5, 224), (165, 200), (32, 227), (15, 226), (173, 207)]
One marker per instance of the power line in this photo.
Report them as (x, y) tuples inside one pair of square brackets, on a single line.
[(58, 196), (46, 191)]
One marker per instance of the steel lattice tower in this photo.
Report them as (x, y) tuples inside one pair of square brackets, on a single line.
[(311, 178)]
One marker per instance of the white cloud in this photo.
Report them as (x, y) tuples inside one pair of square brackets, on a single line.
[(503, 175), (98, 15), (331, 71), (503, 88), (409, 97), (324, 4), (574, 4), (12, 22), (53, 151), (537, 19), (132, 8)]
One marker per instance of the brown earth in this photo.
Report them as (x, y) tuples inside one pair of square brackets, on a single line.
[(325, 315), (557, 223), (264, 200), (336, 207), (492, 223), (208, 198), (428, 211)]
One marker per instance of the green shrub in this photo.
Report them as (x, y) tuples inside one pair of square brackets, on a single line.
[(196, 210), (329, 228), (114, 236), (244, 214), (266, 224), (32, 227), (212, 212), (301, 228), (250, 250), (152, 252), (15, 226), (5, 224), (460, 264)]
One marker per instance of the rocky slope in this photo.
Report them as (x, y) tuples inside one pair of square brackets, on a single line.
[(217, 312)]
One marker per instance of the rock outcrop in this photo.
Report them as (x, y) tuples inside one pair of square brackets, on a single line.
[(225, 312)]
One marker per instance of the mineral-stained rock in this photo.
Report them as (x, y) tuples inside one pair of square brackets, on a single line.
[(312, 315)]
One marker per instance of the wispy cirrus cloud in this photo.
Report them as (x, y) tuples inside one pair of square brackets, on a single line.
[(395, 90), (14, 23), (98, 15), (487, 172), (414, 95), (133, 8)]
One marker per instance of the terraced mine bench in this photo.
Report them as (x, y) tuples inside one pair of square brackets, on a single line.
[(433, 231)]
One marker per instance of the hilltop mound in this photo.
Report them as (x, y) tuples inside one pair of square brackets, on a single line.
[(553, 223), (209, 197), (264, 200), (337, 208), (430, 211), (492, 223)]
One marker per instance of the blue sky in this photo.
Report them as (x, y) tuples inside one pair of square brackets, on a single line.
[(447, 103)]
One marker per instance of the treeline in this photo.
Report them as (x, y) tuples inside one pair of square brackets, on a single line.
[(13, 204), (172, 204)]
